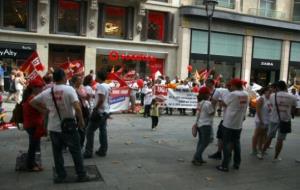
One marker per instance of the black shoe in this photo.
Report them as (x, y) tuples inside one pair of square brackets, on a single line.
[(87, 155), (100, 153), (59, 180), (236, 167), (222, 169), (216, 156)]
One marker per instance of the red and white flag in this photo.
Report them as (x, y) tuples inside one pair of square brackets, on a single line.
[(33, 60)]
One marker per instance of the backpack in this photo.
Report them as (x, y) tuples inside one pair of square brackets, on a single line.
[(17, 114)]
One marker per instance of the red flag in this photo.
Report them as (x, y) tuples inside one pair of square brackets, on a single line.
[(130, 75), (32, 74), (34, 60), (114, 76), (66, 67), (120, 71)]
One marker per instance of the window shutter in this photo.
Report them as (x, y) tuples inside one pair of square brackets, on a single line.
[(53, 16), (169, 28), (1, 13), (83, 18), (130, 23), (144, 33), (101, 21), (32, 16)]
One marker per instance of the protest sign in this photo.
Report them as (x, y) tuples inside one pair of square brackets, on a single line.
[(119, 99), (181, 99)]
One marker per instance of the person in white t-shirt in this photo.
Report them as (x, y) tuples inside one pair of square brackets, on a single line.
[(67, 106), (204, 123), (98, 119), (285, 104), (262, 121), (236, 103), (133, 91), (148, 99), (87, 83)]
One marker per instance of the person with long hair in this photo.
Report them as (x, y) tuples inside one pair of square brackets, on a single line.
[(33, 122), (262, 121)]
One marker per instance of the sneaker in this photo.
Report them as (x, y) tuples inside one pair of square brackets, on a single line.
[(236, 167), (216, 156), (196, 162), (275, 160), (85, 178), (100, 153), (59, 180), (153, 129), (260, 156), (297, 161), (87, 155), (222, 169), (254, 153)]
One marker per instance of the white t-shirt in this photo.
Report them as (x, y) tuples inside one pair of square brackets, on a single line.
[(220, 93), (65, 96), (205, 110), (103, 89), (236, 108), (89, 90), (285, 103), (148, 96), (265, 110)]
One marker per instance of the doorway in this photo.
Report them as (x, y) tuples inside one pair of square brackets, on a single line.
[(264, 77)]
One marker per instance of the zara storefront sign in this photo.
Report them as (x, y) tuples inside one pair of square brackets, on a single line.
[(8, 52), (266, 63)]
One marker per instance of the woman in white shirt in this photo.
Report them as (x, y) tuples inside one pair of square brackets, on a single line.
[(204, 123), (19, 84), (262, 121)]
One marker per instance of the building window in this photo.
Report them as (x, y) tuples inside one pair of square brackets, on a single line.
[(268, 4), (18, 14), (296, 15), (68, 17), (165, 1), (114, 21), (158, 26)]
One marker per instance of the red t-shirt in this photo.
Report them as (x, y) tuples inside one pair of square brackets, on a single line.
[(31, 117)]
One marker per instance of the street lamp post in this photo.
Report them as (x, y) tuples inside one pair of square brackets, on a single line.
[(210, 9)]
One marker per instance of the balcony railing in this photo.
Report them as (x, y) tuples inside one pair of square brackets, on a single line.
[(268, 13), (221, 3)]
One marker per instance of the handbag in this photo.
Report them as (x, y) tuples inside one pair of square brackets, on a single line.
[(195, 127), (284, 126), (68, 125)]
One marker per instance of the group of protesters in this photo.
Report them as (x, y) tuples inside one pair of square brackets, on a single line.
[(69, 111)]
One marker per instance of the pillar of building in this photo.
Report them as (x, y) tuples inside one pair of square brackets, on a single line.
[(284, 67), (43, 52), (183, 59), (90, 59), (247, 58)]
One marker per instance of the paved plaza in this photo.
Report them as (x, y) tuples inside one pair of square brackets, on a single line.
[(141, 159)]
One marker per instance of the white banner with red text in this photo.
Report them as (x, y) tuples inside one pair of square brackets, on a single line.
[(119, 99), (178, 98)]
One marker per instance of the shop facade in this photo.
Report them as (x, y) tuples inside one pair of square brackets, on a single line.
[(294, 64)]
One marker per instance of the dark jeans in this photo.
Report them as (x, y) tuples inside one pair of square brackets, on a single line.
[(147, 110), (90, 133), (169, 111), (154, 121), (71, 140), (142, 99), (204, 134), (34, 146), (231, 141)]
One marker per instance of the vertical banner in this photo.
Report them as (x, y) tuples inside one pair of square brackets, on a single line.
[(181, 99), (119, 99)]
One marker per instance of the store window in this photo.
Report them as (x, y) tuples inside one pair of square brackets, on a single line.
[(294, 66), (18, 14), (158, 26), (226, 53), (68, 17), (115, 22), (296, 14)]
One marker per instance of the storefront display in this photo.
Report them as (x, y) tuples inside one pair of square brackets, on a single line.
[(143, 63), (226, 53), (265, 67), (294, 66)]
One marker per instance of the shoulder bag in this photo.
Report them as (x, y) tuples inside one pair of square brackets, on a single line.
[(68, 125), (284, 126)]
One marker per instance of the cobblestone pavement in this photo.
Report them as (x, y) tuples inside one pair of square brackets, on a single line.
[(141, 159)]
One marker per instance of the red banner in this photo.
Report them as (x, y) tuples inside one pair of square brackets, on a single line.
[(33, 60), (160, 90)]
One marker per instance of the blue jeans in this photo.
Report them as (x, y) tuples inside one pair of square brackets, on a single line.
[(204, 133), (71, 140), (231, 141), (90, 133)]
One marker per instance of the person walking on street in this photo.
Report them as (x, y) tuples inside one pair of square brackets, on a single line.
[(204, 123), (62, 104), (98, 119), (236, 103), (283, 107), (154, 113)]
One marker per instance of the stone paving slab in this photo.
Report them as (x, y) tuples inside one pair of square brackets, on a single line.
[(139, 158)]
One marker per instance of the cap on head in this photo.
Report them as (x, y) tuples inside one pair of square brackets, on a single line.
[(204, 90), (36, 83)]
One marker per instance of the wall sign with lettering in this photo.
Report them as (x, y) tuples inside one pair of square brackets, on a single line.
[(265, 64)]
